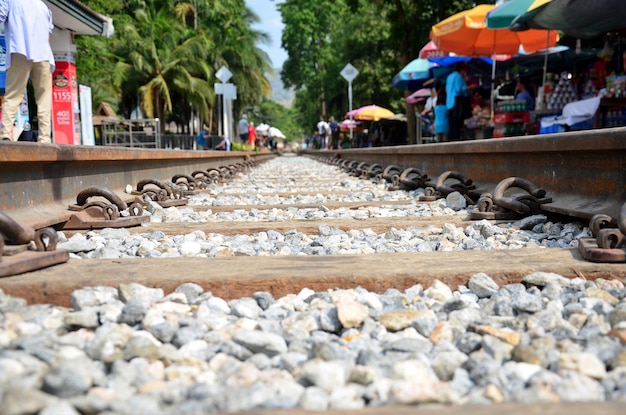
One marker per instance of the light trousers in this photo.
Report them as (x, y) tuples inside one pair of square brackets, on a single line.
[(17, 79)]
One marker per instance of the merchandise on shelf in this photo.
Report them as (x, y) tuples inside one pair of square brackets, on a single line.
[(510, 118), (564, 93)]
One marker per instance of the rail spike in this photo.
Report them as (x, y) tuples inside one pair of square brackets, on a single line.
[(98, 214), (16, 239), (609, 244), (498, 206)]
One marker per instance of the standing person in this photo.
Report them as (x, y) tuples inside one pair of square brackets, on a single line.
[(456, 87), (243, 128), (27, 28), (442, 124), (323, 129), (334, 133), (523, 94), (251, 135), (201, 143)]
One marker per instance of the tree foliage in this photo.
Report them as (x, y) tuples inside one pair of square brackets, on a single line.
[(378, 37), (164, 55)]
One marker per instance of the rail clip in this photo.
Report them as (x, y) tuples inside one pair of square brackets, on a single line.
[(24, 249), (609, 244), (462, 185), (99, 214), (500, 207), (160, 192)]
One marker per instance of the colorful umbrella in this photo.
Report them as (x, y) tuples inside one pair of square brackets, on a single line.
[(430, 50), (466, 34), (574, 17), (504, 15), (370, 113), (413, 75), (418, 96), (344, 126)]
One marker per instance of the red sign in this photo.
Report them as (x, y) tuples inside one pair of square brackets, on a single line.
[(65, 110)]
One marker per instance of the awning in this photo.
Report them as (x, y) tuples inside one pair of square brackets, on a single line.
[(74, 16)]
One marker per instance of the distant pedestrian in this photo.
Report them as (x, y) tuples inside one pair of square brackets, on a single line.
[(243, 128), (201, 141), (27, 28), (334, 133), (323, 131), (251, 135)]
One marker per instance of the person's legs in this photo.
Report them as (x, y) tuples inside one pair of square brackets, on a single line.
[(16, 81), (42, 84), (455, 128)]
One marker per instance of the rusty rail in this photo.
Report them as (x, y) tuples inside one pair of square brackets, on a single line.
[(585, 171)]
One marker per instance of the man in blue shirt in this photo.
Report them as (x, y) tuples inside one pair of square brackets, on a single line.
[(456, 85), (523, 94), (27, 28), (201, 143)]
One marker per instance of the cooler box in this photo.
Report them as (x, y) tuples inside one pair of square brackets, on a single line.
[(510, 117)]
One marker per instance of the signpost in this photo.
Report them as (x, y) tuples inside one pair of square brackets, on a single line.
[(349, 72), (228, 92)]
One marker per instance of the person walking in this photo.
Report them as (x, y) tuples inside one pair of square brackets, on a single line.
[(323, 129), (27, 28), (457, 99), (243, 128), (201, 141), (251, 135)]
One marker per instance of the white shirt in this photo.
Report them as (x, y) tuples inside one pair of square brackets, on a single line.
[(27, 28)]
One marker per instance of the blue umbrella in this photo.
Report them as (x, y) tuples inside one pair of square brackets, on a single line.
[(413, 75)]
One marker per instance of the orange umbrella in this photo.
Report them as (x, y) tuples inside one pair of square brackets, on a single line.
[(466, 34), (370, 113)]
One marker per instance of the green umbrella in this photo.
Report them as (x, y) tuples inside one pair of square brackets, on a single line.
[(576, 18), (502, 16)]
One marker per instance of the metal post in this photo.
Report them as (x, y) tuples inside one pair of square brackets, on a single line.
[(350, 105)]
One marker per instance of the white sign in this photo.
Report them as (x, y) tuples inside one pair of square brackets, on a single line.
[(230, 91), (223, 74), (349, 72)]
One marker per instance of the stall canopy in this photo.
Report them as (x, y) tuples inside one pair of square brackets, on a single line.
[(578, 18), (466, 33), (370, 113)]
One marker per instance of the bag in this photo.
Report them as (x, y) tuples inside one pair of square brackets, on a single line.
[(462, 107)]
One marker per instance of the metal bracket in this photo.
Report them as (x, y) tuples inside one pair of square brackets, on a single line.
[(500, 207), (16, 248), (609, 244), (99, 214), (462, 185), (410, 179), (158, 191)]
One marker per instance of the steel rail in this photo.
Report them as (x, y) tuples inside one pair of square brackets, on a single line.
[(584, 172), (39, 181)]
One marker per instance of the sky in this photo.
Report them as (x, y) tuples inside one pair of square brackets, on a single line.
[(271, 24)]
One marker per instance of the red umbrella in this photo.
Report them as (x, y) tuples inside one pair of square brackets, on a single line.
[(430, 50)]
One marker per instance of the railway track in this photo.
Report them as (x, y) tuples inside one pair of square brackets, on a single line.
[(311, 207)]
